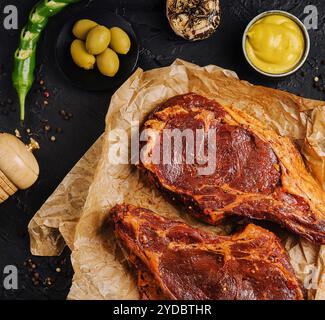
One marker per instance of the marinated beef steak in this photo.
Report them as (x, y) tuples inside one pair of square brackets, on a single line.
[(257, 174), (176, 261)]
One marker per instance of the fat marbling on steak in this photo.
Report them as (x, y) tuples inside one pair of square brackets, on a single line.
[(176, 261), (258, 174)]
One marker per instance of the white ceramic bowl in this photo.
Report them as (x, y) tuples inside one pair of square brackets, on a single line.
[(300, 24)]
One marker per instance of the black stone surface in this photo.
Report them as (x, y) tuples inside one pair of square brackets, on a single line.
[(159, 46)]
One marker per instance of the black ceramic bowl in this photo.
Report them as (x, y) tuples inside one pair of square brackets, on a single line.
[(93, 80)]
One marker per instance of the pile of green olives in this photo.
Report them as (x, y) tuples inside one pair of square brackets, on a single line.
[(96, 44)]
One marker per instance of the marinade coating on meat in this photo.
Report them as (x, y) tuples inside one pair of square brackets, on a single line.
[(258, 174), (176, 261)]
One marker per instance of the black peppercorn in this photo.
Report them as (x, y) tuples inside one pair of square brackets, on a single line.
[(48, 281)]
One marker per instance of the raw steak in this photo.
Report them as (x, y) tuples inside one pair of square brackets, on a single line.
[(258, 174), (176, 261)]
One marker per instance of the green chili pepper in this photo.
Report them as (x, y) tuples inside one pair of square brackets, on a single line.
[(36, 23), (28, 39), (25, 55), (49, 8), (23, 75)]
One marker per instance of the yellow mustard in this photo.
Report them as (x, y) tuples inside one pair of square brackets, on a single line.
[(275, 44)]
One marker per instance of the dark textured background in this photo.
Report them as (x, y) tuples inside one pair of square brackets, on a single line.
[(158, 47)]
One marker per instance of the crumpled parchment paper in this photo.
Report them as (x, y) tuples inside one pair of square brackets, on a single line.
[(74, 214)]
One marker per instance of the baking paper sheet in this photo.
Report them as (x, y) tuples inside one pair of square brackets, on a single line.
[(74, 214)]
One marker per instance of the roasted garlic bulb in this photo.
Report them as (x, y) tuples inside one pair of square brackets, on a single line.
[(193, 19)]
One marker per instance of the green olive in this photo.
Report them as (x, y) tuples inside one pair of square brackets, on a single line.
[(120, 41), (98, 39), (108, 63), (82, 27), (80, 55)]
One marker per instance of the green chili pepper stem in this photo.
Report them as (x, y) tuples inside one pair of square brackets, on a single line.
[(22, 99)]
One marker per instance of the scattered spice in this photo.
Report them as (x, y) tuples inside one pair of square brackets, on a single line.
[(17, 133), (35, 275), (44, 121), (67, 116), (49, 281), (53, 138), (62, 113), (36, 283)]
